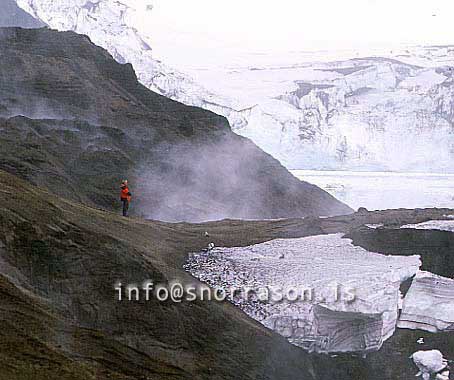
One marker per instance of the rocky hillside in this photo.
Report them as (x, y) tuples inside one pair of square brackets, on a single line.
[(60, 261), (76, 122), (373, 110)]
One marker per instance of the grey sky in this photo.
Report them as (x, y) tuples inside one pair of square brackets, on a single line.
[(291, 24)]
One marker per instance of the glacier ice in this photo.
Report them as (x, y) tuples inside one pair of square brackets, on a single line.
[(441, 225), (429, 304), (331, 269)]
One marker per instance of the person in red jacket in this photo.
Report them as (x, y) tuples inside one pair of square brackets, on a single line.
[(125, 197)]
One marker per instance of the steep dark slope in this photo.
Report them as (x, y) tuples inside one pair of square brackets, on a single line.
[(86, 123), (12, 15), (59, 262)]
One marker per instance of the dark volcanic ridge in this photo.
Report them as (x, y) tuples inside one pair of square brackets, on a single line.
[(86, 123)]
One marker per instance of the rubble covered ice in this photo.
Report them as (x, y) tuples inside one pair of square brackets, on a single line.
[(331, 270)]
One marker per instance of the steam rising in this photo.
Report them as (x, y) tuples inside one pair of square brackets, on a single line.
[(230, 178)]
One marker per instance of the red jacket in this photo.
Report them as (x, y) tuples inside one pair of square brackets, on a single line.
[(125, 194)]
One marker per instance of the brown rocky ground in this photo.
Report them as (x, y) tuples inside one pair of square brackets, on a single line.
[(59, 261)]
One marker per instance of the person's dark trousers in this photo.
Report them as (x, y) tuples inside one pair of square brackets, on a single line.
[(125, 207)]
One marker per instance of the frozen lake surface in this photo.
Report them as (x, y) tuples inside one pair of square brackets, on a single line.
[(384, 190)]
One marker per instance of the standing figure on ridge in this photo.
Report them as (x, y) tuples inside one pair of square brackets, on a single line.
[(125, 197)]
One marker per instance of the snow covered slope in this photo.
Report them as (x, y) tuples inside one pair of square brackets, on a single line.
[(393, 110)]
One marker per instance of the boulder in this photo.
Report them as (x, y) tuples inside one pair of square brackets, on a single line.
[(430, 363)]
